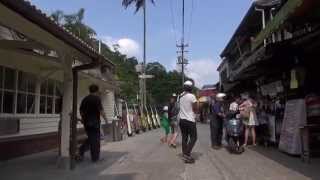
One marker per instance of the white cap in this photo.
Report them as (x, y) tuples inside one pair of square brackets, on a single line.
[(174, 95), (188, 83), (221, 95), (165, 108)]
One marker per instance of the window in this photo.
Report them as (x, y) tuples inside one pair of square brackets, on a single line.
[(50, 97), (26, 93), (8, 90), (18, 93)]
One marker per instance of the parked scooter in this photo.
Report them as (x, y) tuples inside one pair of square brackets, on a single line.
[(149, 120), (157, 116), (154, 119), (235, 128), (128, 121), (136, 122)]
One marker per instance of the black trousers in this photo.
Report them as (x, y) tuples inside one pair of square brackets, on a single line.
[(92, 143), (216, 127), (189, 136)]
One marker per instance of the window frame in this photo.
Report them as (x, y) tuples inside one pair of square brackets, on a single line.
[(37, 95)]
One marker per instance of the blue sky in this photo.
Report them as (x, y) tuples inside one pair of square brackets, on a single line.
[(213, 23)]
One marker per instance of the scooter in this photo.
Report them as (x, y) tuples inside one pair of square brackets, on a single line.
[(157, 116), (235, 128), (154, 120), (128, 121), (150, 124), (136, 121)]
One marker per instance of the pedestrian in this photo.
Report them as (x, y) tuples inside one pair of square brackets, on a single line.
[(173, 119), (188, 107), (165, 124), (249, 115), (234, 106), (216, 121), (90, 110)]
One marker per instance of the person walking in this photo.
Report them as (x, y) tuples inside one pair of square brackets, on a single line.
[(173, 120), (216, 121), (188, 106), (165, 124), (90, 110), (248, 112)]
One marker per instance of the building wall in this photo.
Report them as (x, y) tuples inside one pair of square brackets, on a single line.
[(38, 128)]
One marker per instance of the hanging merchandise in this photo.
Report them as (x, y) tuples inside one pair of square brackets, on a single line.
[(313, 105), (294, 80)]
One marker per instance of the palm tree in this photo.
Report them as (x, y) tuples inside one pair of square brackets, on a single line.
[(141, 4)]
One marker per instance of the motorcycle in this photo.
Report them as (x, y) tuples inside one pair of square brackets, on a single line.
[(235, 129)]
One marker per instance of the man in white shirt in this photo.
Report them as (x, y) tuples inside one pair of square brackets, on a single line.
[(188, 107)]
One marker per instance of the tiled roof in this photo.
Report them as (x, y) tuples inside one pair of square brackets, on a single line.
[(35, 15)]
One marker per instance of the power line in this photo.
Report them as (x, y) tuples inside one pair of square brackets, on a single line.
[(182, 45), (173, 22), (191, 21)]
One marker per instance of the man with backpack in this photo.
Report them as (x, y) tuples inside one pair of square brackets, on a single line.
[(187, 107), (173, 120)]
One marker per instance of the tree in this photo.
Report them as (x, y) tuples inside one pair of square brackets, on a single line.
[(138, 3), (141, 4), (58, 16), (74, 23)]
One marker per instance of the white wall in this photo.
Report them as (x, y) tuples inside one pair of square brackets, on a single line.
[(31, 124)]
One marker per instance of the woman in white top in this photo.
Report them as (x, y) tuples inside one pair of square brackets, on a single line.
[(248, 111)]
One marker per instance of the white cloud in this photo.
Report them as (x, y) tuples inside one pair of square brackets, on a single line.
[(126, 46), (203, 71)]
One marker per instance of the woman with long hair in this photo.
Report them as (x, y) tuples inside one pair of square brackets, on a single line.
[(249, 115)]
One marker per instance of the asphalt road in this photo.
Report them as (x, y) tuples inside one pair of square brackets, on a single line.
[(143, 157)]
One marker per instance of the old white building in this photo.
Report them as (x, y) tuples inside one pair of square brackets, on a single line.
[(37, 57)]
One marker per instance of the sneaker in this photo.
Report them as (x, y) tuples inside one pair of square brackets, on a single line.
[(98, 161), (189, 161), (187, 158), (173, 145), (216, 147)]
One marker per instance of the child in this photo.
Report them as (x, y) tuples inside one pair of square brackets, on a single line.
[(165, 124)]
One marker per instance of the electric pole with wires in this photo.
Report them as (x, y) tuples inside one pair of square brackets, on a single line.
[(182, 46)]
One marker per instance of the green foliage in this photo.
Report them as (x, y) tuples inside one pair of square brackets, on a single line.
[(137, 3), (74, 23), (163, 85), (159, 89)]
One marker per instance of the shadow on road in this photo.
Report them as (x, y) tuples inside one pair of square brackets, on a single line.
[(309, 170), (43, 166)]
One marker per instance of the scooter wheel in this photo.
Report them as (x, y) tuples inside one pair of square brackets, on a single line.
[(232, 145)]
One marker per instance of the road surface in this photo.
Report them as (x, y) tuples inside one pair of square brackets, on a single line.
[(143, 157)]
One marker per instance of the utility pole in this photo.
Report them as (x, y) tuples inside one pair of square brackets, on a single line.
[(144, 99), (182, 46)]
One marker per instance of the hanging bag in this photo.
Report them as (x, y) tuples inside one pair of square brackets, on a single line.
[(176, 109)]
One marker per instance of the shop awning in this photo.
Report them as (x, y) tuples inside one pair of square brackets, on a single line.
[(285, 12)]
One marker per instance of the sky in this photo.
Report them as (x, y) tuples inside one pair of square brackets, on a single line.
[(209, 25)]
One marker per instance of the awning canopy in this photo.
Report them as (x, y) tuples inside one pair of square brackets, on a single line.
[(285, 12)]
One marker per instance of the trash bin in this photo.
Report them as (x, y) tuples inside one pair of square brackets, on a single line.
[(116, 130)]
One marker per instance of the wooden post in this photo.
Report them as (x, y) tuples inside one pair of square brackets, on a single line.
[(73, 144), (66, 109)]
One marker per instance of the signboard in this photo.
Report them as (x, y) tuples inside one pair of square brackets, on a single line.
[(272, 128), (139, 68), (294, 117), (145, 76)]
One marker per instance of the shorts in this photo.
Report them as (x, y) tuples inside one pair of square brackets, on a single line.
[(167, 129)]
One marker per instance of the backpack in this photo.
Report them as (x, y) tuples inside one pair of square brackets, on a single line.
[(176, 109)]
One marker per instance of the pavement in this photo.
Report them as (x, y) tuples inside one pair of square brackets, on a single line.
[(143, 157)]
